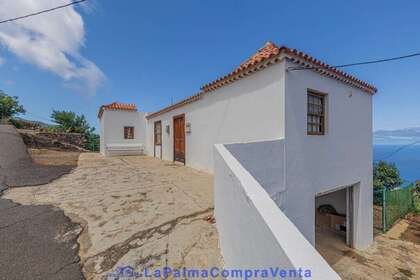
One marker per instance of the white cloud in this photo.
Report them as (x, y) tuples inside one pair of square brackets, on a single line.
[(51, 41)]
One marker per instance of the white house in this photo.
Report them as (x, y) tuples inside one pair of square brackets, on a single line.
[(122, 129), (310, 122)]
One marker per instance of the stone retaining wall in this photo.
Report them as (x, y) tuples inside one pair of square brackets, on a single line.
[(58, 141)]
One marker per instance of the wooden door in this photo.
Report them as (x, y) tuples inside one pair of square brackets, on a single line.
[(158, 139), (179, 138)]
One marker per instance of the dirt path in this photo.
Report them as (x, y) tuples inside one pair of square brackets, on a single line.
[(392, 256), (135, 211)]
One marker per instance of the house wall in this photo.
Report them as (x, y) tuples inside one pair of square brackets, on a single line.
[(251, 109), (268, 239), (336, 199), (112, 130), (341, 157)]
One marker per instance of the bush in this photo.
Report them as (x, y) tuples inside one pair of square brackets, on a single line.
[(386, 175), (92, 142)]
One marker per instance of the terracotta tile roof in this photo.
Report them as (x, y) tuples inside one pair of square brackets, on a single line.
[(268, 55), (118, 107)]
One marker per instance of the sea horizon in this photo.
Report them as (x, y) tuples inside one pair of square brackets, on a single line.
[(406, 158)]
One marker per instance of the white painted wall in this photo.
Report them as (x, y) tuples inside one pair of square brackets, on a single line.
[(251, 109), (265, 162), (342, 157), (112, 132), (253, 232)]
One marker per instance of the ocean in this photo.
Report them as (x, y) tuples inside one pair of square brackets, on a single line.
[(407, 158)]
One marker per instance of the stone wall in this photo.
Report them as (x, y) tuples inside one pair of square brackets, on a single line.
[(59, 141), (76, 139)]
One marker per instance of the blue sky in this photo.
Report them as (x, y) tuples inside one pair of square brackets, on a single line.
[(152, 52)]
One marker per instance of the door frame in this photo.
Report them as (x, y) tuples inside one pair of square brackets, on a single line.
[(180, 116), (350, 216), (350, 213), (154, 138)]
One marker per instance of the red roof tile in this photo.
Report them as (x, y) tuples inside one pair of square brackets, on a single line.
[(117, 106)]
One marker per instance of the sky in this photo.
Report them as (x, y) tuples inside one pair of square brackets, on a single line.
[(152, 53)]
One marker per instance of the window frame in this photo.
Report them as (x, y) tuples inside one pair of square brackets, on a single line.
[(323, 115), (127, 134)]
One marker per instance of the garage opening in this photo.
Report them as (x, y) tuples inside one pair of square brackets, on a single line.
[(334, 223)]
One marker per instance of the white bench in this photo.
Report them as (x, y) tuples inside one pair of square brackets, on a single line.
[(124, 149)]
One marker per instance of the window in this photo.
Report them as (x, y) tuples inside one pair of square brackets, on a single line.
[(128, 132), (316, 113)]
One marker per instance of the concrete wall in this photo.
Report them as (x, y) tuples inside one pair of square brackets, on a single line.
[(265, 162), (112, 131), (253, 232), (251, 109), (341, 157)]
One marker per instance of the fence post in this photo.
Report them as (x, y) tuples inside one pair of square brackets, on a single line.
[(384, 227)]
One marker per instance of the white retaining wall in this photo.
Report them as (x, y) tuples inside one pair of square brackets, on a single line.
[(253, 232), (265, 162)]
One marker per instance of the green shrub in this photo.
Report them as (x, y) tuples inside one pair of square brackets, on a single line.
[(92, 142), (386, 175)]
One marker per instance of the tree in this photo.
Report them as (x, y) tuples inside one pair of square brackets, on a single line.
[(386, 175), (9, 106), (69, 122)]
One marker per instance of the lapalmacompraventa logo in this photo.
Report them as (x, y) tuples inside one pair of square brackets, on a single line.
[(128, 272)]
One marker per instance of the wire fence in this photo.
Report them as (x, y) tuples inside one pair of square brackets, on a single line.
[(390, 205)]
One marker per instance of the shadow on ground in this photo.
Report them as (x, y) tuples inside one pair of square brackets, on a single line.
[(37, 242), (17, 169)]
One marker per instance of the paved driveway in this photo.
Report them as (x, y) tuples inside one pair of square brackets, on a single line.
[(134, 211)]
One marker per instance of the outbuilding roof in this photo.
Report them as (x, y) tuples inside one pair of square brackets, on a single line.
[(266, 56), (116, 106)]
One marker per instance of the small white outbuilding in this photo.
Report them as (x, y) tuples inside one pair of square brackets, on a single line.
[(123, 130)]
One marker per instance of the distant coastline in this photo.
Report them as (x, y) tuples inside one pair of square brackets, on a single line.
[(407, 158)]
